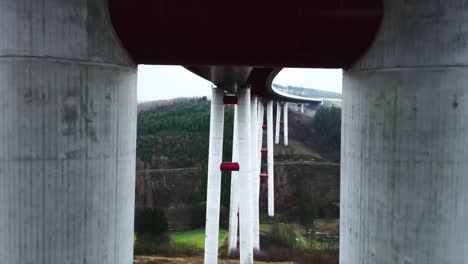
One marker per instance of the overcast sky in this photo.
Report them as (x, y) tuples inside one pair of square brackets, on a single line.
[(167, 82)]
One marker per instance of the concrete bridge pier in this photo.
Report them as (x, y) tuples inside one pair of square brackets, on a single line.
[(404, 156), (245, 177), (67, 135), (213, 188), (271, 169), (286, 123), (278, 123), (234, 199), (255, 178)]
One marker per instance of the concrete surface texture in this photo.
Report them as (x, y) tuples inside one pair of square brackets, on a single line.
[(278, 124), (286, 123), (213, 189), (67, 135), (234, 199), (270, 157), (245, 175), (255, 179), (404, 140)]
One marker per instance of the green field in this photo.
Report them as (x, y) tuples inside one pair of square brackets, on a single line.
[(195, 238), (193, 260), (295, 234)]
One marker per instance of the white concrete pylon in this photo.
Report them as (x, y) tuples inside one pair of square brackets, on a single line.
[(234, 202), (255, 179), (261, 122), (302, 108), (271, 174), (214, 176), (404, 147), (68, 122), (285, 124), (257, 170), (278, 122), (245, 174)]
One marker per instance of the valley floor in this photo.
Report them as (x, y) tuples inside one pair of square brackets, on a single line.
[(191, 260)]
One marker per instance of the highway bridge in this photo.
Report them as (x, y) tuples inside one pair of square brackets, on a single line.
[(68, 116)]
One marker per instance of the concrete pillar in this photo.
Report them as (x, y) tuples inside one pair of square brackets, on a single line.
[(271, 174), (234, 202), (245, 175), (257, 171), (302, 108), (255, 179), (215, 158), (285, 124), (404, 156), (260, 123), (278, 122), (67, 135)]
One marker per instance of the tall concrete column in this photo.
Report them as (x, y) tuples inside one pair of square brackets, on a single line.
[(255, 179), (256, 172), (260, 123), (285, 124), (278, 123), (215, 158), (67, 135), (271, 168), (234, 201), (404, 156), (245, 177)]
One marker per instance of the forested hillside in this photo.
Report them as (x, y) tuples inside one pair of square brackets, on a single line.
[(172, 151), (175, 134)]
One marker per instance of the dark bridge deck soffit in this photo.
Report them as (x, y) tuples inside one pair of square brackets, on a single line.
[(275, 34)]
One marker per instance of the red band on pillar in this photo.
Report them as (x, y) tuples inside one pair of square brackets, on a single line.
[(264, 150), (281, 122), (229, 166), (263, 175), (264, 126), (230, 99)]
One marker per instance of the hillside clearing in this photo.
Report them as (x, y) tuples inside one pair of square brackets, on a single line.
[(194, 238)]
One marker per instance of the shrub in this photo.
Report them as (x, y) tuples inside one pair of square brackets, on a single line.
[(327, 124), (198, 215), (150, 222), (306, 217), (283, 235)]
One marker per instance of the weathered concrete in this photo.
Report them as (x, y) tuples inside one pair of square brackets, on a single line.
[(278, 124), (258, 169), (67, 135), (255, 176), (213, 189), (245, 177), (234, 199), (405, 140), (270, 158), (286, 123)]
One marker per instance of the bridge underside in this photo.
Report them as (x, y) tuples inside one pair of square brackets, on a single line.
[(252, 36)]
